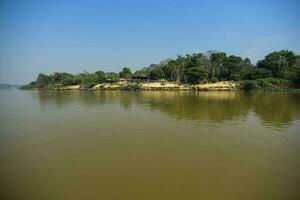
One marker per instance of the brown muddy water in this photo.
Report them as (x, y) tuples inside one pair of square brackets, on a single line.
[(149, 145)]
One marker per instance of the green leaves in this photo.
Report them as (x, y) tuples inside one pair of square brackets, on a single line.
[(157, 74), (193, 69), (196, 75), (280, 61), (42, 81), (125, 73)]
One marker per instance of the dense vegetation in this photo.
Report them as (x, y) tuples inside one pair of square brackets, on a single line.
[(277, 69)]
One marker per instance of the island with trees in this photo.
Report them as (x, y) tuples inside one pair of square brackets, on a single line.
[(201, 71)]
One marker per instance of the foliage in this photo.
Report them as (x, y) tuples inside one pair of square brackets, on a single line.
[(195, 75), (42, 81), (195, 68), (157, 74), (253, 73), (101, 77), (266, 83), (125, 73), (171, 70), (30, 86), (249, 85), (141, 73), (111, 77), (278, 62), (89, 79)]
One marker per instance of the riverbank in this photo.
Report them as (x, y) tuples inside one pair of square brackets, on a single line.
[(219, 86), (266, 84)]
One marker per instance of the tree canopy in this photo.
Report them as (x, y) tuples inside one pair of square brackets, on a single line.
[(191, 69), (125, 73)]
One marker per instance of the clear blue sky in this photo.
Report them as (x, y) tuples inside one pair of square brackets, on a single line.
[(73, 36)]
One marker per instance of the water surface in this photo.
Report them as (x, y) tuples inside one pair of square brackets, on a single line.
[(149, 145)]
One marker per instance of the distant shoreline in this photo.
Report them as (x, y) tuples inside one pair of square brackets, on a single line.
[(202, 72), (170, 86)]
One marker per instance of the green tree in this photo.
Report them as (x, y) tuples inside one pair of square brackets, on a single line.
[(30, 86), (157, 74), (195, 61), (217, 65), (171, 71), (125, 73), (141, 73), (67, 79), (180, 65), (196, 75), (56, 78), (235, 68), (42, 80), (88, 79), (278, 62), (253, 73), (111, 76), (101, 77)]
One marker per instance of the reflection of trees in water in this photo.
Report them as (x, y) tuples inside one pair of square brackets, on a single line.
[(126, 99), (96, 98), (57, 98), (65, 98), (274, 109), (199, 106)]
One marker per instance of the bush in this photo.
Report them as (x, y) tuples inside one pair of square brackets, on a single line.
[(249, 85), (235, 77), (195, 75), (30, 86), (256, 73), (266, 83), (157, 74), (214, 79)]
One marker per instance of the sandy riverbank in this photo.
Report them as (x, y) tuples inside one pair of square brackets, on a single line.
[(219, 86)]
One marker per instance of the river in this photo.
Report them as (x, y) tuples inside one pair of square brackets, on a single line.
[(149, 145)]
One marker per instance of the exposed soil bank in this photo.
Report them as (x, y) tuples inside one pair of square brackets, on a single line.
[(219, 86)]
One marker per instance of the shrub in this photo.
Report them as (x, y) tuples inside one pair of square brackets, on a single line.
[(195, 75), (266, 83), (249, 85)]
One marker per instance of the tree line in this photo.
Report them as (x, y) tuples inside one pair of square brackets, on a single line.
[(192, 69)]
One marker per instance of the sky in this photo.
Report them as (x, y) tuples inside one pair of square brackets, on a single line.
[(43, 36)]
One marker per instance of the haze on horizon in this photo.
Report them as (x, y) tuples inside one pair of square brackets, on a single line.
[(73, 36)]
